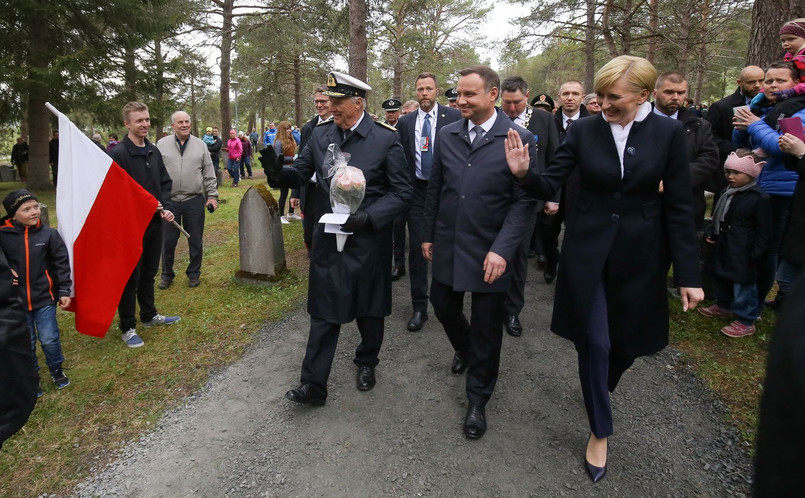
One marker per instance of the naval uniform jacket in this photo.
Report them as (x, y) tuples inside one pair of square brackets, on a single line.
[(622, 231), (355, 282), (475, 205)]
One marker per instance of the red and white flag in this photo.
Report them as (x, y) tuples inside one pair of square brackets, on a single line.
[(103, 214)]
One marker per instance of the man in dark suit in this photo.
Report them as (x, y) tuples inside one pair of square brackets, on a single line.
[(669, 94), (299, 196), (476, 218), (514, 102), (418, 135), (354, 283), (552, 216), (750, 81)]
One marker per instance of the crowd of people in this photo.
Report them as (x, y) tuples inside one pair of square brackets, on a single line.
[(477, 187)]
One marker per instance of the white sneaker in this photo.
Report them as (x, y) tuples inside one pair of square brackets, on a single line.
[(131, 339), (284, 220), (294, 216)]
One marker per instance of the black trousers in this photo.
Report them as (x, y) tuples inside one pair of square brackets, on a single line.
[(515, 296), (549, 228), (398, 240), (417, 264), (323, 340), (479, 339), (309, 205), (190, 214), (140, 287), (599, 370)]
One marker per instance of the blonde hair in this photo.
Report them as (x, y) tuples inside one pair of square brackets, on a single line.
[(285, 135), (640, 74)]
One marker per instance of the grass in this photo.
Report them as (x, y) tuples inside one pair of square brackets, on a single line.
[(117, 393), (733, 369)]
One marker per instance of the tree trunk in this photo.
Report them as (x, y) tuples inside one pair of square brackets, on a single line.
[(129, 73), (767, 17), (684, 36), (193, 120), (653, 23), (38, 114), (357, 39), (589, 46), (157, 116), (606, 29), (626, 29), (297, 90), (226, 65)]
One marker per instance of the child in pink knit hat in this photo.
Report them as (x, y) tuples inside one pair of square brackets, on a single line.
[(741, 231)]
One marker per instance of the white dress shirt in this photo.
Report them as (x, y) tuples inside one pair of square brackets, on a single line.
[(420, 121), (486, 125), (621, 133)]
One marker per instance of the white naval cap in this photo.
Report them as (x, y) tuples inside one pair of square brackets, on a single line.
[(344, 85)]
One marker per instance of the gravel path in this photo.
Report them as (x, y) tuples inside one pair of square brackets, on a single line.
[(238, 436)]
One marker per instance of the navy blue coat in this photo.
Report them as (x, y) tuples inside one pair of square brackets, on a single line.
[(744, 237), (622, 230), (475, 206), (355, 282)]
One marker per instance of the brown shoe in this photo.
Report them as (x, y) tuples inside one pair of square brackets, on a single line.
[(738, 329), (715, 311)]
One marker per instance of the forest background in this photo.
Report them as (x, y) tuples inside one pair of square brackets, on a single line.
[(242, 63)]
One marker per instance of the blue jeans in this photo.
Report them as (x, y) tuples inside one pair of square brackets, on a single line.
[(742, 299), (42, 323), (233, 166), (787, 273)]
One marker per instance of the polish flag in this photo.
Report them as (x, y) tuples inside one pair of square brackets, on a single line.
[(103, 214)]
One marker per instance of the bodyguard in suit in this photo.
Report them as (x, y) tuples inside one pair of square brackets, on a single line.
[(476, 218), (750, 81), (418, 135), (514, 102), (354, 284), (300, 197)]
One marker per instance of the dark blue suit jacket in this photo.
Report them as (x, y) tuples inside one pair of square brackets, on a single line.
[(475, 206)]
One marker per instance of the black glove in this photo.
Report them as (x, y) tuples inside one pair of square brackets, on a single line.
[(357, 222), (271, 166)]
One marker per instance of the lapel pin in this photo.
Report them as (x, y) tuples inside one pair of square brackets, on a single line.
[(631, 151)]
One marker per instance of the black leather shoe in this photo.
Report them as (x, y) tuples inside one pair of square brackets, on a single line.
[(513, 326), (416, 321), (541, 261), (307, 394), (165, 283), (366, 378), (397, 272), (550, 272), (460, 363), (475, 422), (595, 473)]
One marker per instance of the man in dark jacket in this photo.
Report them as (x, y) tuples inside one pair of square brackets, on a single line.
[(514, 102), (18, 378), (669, 95), (300, 197), (143, 162), (419, 140), (476, 217), (53, 156), (719, 116), (19, 158), (355, 283)]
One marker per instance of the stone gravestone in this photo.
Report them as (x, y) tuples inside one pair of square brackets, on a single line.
[(262, 250), (44, 217)]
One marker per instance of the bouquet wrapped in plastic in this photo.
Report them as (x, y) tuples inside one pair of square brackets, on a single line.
[(347, 186)]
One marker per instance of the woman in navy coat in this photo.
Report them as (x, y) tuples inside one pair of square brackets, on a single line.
[(633, 216)]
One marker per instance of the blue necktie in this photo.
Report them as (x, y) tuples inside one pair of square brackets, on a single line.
[(426, 148), (479, 136)]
